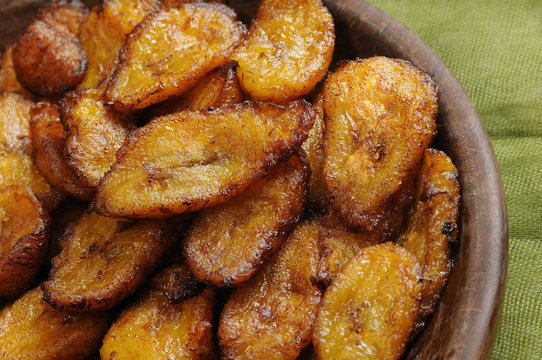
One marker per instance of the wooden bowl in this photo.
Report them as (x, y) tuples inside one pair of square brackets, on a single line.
[(464, 324)]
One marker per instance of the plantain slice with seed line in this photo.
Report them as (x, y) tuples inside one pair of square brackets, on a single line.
[(154, 328), (227, 243), (24, 239), (190, 160), (369, 310), (170, 50), (102, 261), (94, 134), (272, 315), (432, 226), (30, 329), (380, 116)]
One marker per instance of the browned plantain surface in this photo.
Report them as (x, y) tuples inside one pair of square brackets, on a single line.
[(177, 283), (227, 244), (369, 310), (8, 78), (288, 49), (178, 3), (30, 329), (190, 160), (63, 218), (48, 140), (432, 225), (15, 122), (153, 328), (129, 13), (380, 116), (24, 239), (102, 261), (170, 50), (219, 87), (95, 133), (271, 316), (65, 14)]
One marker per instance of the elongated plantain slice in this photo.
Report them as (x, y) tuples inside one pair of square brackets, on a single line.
[(380, 116), (24, 239), (8, 77), (190, 160), (227, 244), (288, 49), (368, 312), (271, 316), (105, 260), (48, 140), (15, 122), (432, 225), (95, 133), (30, 329), (170, 50), (154, 328)]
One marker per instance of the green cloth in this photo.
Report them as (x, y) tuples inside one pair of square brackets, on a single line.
[(494, 48)]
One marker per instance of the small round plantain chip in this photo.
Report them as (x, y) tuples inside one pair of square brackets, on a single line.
[(24, 239), (288, 49), (103, 261), (227, 243), (432, 226), (190, 160), (170, 50), (380, 116), (272, 315), (369, 310), (30, 329)]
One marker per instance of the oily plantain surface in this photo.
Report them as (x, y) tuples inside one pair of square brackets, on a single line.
[(8, 77), (153, 328), (288, 49), (380, 116), (169, 51), (227, 243), (24, 239), (30, 329), (94, 134), (432, 225), (190, 160), (271, 316), (103, 261), (369, 310), (48, 141), (177, 283), (15, 122)]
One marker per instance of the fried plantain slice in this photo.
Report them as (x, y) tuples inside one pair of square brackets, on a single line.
[(380, 116), (432, 226), (30, 329), (65, 14), (368, 312), (227, 244), (190, 160), (170, 50), (105, 260), (8, 77), (177, 283), (219, 87), (15, 122), (288, 49), (154, 328), (129, 13), (272, 315), (95, 133), (24, 239), (48, 140)]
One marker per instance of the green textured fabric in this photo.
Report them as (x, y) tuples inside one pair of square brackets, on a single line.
[(494, 47)]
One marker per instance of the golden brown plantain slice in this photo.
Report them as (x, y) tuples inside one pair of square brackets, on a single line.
[(271, 316), (15, 122), (48, 140), (369, 310), (153, 328), (95, 133), (8, 78), (227, 244), (129, 13), (177, 283), (432, 225), (288, 49), (24, 239), (103, 261), (30, 329), (190, 160), (380, 116), (170, 50)]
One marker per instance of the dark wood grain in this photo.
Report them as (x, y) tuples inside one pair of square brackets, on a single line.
[(464, 324)]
